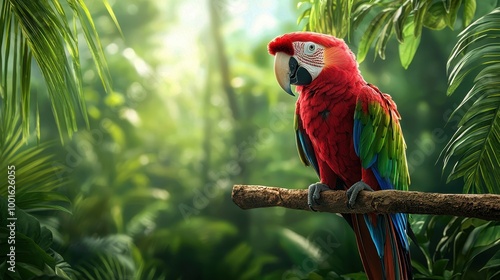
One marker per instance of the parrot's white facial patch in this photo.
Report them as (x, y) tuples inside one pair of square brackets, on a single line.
[(310, 56)]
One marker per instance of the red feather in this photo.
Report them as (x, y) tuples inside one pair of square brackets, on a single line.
[(284, 43)]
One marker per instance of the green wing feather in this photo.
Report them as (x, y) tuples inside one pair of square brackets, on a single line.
[(378, 139)]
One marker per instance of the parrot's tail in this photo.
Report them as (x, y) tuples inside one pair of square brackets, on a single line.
[(384, 252)]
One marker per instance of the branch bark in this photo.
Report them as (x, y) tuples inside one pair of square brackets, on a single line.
[(483, 206)]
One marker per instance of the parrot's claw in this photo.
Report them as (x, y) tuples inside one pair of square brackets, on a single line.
[(353, 191), (314, 194)]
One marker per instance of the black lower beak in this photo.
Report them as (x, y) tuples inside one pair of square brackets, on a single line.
[(299, 76)]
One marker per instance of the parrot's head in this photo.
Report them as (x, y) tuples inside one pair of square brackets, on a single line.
[(307, 58)]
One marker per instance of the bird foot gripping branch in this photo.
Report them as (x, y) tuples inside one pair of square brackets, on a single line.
[(314, 194), (353, 192)]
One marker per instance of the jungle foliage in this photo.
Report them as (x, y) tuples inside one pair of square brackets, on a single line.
[(127, 126)]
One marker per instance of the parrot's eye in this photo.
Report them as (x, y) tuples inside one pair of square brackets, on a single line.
[(309, 48)]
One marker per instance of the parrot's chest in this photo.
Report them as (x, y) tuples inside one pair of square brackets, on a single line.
[(329, 122)]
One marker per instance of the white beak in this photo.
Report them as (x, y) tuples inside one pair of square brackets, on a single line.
[(282, 71)]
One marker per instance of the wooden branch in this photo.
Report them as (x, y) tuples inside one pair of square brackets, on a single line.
[(483, 206)]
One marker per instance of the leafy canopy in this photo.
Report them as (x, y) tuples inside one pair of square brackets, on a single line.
[(380, 20), (40, 31)]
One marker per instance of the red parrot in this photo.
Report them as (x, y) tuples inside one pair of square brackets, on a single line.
[(349, 132)]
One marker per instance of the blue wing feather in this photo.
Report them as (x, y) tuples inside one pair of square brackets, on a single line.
[(356, 134), (306, 150)]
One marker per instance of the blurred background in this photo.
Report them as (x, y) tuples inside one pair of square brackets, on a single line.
[(195, 108)]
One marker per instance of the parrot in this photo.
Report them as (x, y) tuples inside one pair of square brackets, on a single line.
[(350, 133)]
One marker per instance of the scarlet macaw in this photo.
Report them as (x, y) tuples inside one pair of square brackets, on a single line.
[(349, 132)]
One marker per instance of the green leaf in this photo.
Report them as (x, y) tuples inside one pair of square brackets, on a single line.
[(420, 268), (399, 20), (493, 263), (447, 4), (255, 267), (469, 11), (112, 15), (237, 258), (409, 46), (438, 268), (299, 247), (42, 201), (435, 17), (452, 12), (32, 242), (385, 34), (370, 34), (304, 15), (419, 18), (360, 11)]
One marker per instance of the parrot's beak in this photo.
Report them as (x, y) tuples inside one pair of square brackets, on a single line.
[(282, 71), (288, 71)]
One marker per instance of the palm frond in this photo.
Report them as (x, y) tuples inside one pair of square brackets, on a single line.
[(476, 144), (110, 257), (144, 220), (40, 31), (150, 271), (32, 171), (106, 266)]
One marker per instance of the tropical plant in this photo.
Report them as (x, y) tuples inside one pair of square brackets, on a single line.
[(111, 257), (456, 248), (31, 188), (46, 32), (113, 212), (476, 142), (382, 19), (33, 174), (33, 253)]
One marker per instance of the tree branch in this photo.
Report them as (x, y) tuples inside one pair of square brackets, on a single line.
[(483, 206)]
